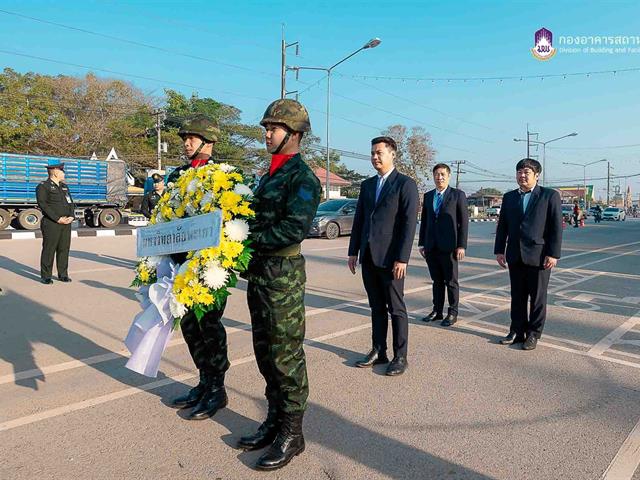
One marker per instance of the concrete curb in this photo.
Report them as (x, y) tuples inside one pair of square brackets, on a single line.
[(22, 235)]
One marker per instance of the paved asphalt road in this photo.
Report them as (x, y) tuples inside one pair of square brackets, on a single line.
[(466, 408)]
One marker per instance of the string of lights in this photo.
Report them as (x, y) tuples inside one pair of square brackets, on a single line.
[(498, 79)]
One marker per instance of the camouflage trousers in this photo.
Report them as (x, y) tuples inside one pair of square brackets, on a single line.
[(275, 295), (207, 342)]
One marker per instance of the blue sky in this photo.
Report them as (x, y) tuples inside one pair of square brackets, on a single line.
[(471, 121)]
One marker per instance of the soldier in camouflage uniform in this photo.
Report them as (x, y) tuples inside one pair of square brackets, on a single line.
[(207, 338), (285, 203)]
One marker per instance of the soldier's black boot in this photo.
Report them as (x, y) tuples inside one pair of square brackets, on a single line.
[(266, 433), (289, 442), (214, 398), (193, 396)]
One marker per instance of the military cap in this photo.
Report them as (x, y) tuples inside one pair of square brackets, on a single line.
[(202, 126), (288, 112), (157, 178), (55, 164)]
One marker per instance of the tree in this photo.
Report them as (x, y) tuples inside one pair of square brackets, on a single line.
[(240, 144), (70, 116), (415, 152)]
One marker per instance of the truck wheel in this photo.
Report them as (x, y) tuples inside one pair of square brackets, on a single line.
[(333, 230), (29, 219), (5, 218), (109, 217), (90, 220)]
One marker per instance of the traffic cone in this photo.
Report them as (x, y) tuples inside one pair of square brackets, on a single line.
[(582, 222), (564, 223)]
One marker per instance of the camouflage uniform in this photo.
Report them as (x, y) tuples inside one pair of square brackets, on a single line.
[(207, 337), (285, 204)]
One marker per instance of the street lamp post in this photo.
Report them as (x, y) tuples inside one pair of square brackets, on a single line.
[(544, 151), (584, 177), (374, 42)]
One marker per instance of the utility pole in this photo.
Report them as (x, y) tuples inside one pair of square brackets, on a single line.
[(458, 172), (283, 64), (159, 118), (608, 181)]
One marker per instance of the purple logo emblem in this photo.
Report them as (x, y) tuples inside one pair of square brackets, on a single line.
[(543, 46)]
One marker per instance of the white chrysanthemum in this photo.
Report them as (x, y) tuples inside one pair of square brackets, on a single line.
[(236, 230), (242, 189), (215, 276), (159, 218), (226, 168), (178, 310), (191, 210), (193, 186), (154, 261), (207, 198), (170, 185)]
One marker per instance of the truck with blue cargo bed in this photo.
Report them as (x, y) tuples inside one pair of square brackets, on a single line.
[(98, 189)]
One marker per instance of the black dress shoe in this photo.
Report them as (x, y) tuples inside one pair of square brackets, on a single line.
[(213, 400), (530, 343), (46, 281), (397, 366), (511, 338), (450, 320), (64, 279), (432, 317), (374, 357)]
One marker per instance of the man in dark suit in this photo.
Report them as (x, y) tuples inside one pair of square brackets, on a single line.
[(530, 227), (444, 226), (382, 236)]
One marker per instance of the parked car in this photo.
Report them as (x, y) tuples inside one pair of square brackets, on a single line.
[(494, 211), (614, 213), (333, 218)]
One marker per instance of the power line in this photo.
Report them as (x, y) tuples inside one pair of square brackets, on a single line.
[(596, 148), (417, 104), (499, 79), (483, 140), (108, 108), (136, 43), (141, 77)]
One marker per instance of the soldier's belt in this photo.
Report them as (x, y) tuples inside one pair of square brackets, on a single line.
[(290, 251)]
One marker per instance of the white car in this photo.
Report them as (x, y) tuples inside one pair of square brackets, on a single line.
[(494, 211), (614, 213)]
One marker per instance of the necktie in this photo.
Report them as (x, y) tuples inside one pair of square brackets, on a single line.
[(438, 203), (521, 203), (379, 187)]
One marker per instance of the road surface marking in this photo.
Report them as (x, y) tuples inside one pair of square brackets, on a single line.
[(37, 372), (92, 402), (626, 461), (615, 336)]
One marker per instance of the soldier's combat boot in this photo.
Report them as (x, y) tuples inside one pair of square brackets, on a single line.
[(214, 398), (266, 433), (289, 442), (193, 396)]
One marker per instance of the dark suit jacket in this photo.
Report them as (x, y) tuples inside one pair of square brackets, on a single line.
[(533, 235), (450, 229), (388, 227)]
